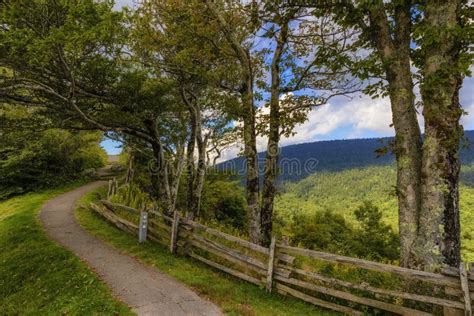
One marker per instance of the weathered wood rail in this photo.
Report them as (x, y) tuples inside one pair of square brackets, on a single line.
[(276, 268)]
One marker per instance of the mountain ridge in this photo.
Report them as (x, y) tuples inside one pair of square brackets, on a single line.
[(300, 160)]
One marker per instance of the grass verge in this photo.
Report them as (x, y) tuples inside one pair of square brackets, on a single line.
[(235, 297), (39, 277)]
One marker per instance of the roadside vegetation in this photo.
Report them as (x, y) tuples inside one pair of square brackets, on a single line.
[(351, 212), (35, 160), (235, 297), (37, 276)]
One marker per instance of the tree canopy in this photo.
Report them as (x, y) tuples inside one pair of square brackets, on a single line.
[(177, 81)]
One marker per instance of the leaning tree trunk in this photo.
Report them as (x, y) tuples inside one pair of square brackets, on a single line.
[(162, 176), (395, 55), (196, 176), (439, 232), (176, 176), (161, 169)]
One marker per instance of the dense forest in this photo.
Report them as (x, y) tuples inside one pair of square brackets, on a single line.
[(343, 192)]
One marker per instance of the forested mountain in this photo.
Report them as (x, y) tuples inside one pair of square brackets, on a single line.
[(343, 192), (301, 160)]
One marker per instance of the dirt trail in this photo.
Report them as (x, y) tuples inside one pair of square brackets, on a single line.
[(146, 290)]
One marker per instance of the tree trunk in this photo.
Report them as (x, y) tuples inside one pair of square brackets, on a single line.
[(176, 175), (248, 116), (190, 166), (395, 55), (271, 159), (200, 172), (407, 149), (196, 176), (162, 168), (162, 176), (250, 151), (439, 231)]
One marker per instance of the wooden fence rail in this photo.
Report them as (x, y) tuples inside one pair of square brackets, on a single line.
[(276, 268)]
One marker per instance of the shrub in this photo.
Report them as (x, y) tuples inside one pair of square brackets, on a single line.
[(377, 240), (30, 161), (329, 231), (224, 201), (131, 195), (324, 230)]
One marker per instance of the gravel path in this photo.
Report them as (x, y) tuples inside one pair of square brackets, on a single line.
[(146, 290)]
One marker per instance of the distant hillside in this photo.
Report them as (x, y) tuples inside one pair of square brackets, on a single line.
[(342, 192), (299, 161)]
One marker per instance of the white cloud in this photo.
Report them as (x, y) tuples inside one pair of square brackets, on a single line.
[(229, 153), (359, 117)]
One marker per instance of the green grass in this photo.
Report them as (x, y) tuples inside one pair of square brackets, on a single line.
[(235, 297), (342, 192), (38, 277)]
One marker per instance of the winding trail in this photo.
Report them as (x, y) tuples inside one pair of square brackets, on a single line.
[(146, 290)]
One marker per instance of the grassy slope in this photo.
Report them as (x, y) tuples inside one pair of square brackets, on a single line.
[(344, 191), (39, 277), (235, 297)]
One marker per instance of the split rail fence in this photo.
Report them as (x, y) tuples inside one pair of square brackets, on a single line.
[(285, 269)]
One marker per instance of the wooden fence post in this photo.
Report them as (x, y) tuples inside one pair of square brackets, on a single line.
[(271, 261), (109, 191), (142, 228), (465, 289), (114, 186), (130, 171), (174, 232), (463, 277)]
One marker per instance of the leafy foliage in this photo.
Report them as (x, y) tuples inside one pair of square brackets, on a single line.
[(31, 161), (329, 231), (224, 202), (132, 196), (376, 239), (342, 193)]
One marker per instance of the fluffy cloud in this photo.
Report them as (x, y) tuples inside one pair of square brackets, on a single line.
[(356, 118), (359, 117)]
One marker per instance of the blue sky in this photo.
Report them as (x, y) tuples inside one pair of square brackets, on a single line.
[(360, 117), (112, 147)]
